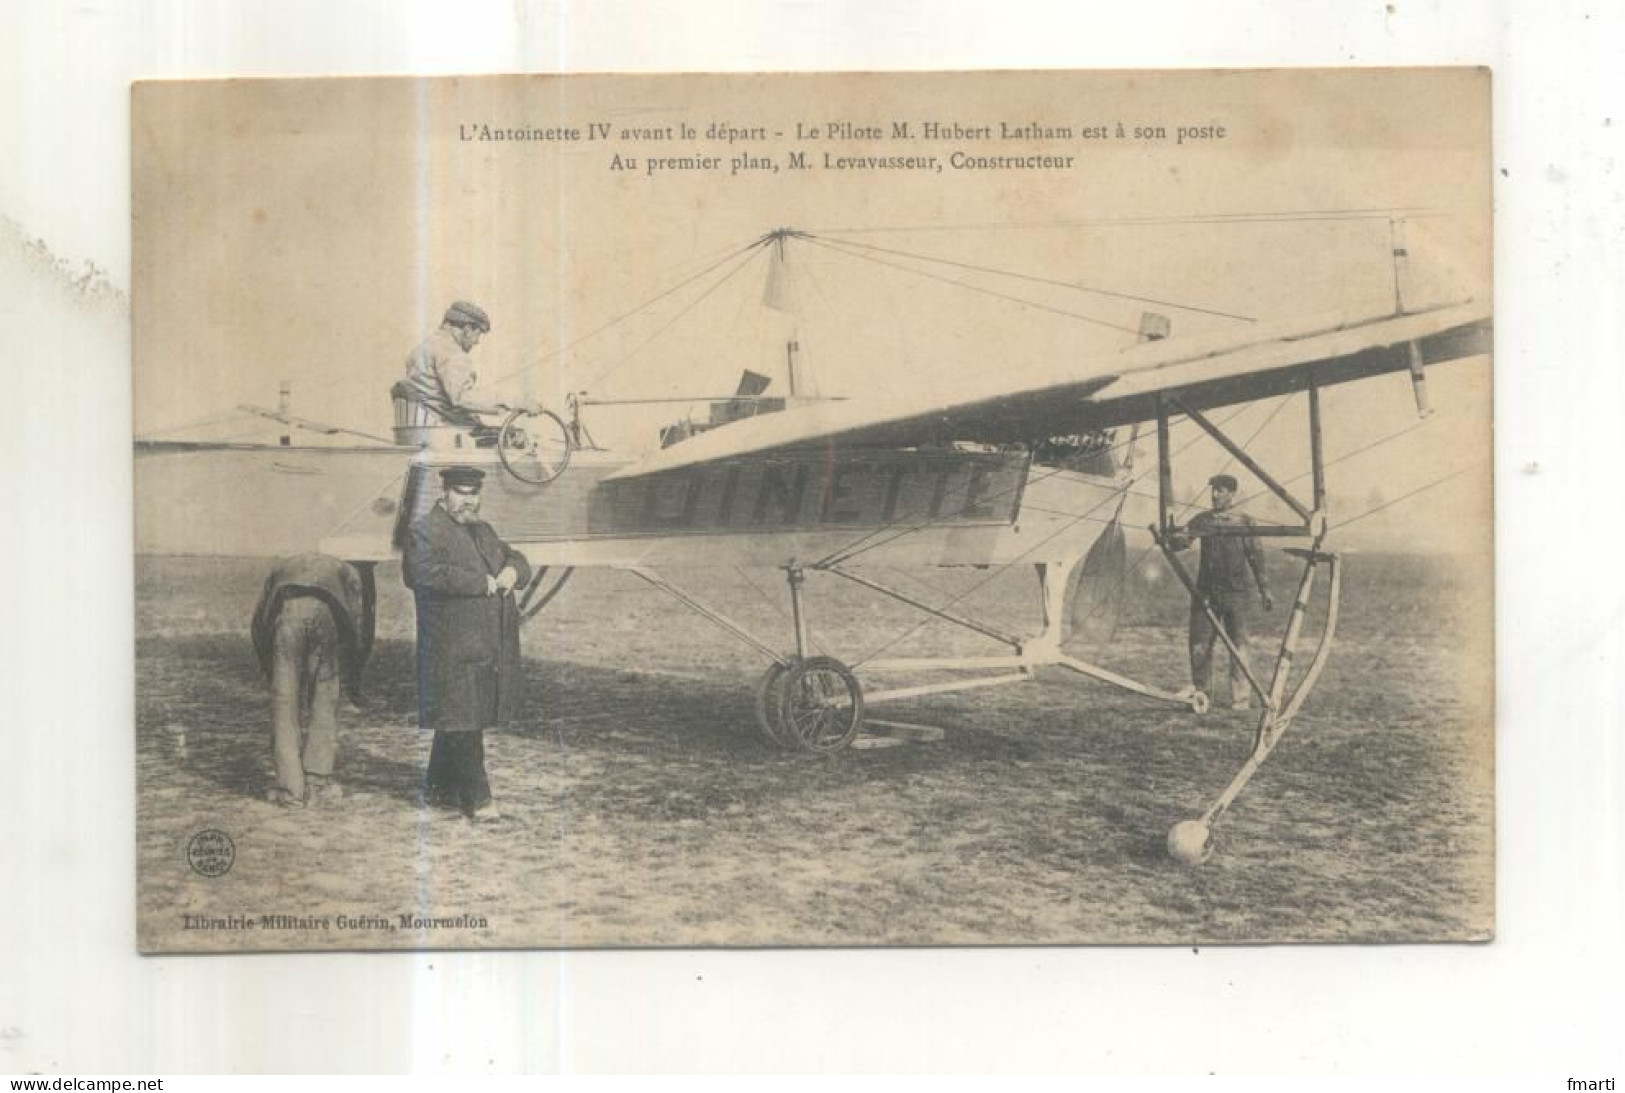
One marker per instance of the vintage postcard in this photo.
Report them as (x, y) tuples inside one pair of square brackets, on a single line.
[(1000, 508)]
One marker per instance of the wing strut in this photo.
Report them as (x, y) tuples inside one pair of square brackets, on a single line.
[(1247, 461), (1191, 841)]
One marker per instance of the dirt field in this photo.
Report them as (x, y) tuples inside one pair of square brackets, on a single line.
[(642, 807)]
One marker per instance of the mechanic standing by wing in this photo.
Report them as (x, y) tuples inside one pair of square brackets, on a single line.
[(1231, 567)]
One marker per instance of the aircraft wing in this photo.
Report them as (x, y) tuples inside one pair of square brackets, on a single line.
[(1060, 397)]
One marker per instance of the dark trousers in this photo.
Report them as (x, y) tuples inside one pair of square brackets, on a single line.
[(1234, 612), (456, 773), (304, 694)]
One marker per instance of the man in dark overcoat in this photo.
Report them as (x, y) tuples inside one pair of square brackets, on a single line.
[(469, 672), (312, 629)]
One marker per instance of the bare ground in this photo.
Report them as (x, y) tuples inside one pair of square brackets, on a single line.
[(642, 808)]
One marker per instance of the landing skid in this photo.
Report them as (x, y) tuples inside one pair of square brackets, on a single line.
[(816, 704), (1191, 842)]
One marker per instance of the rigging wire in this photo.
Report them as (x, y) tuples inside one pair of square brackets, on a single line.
[(337, 379), (1187, 506), (1407, 496), (1282, 217), (807, 274), (732, 253), (195, 423), (713, 256), (1245, 444), (1074, 286), (744, 261), (1000, 570), (782, 613), (1343, 457), (979, 585), (1379, 442), (852, 550), (1028, 507), (857, 547), (999, 614), (840, 248)]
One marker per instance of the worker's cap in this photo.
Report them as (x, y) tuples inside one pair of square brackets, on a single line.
[(463, 313), (1224, 482), (463, 479)]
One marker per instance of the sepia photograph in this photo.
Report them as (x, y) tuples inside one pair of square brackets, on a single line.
[(813, 510)]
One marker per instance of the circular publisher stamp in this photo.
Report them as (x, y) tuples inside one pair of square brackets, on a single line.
[(211, 853)]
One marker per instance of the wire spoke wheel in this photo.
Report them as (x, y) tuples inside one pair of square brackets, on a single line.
[(534, 447), (822, 709), (770, 704)]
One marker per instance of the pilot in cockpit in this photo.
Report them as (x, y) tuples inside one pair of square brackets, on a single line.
[(441, 387)]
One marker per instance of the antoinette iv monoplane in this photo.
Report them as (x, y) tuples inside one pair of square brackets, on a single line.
[(1023, 466)]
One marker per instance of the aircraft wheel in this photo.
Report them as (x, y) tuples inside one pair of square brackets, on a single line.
[(534, 448), (1198, 701), (822, 709), (770, 704)]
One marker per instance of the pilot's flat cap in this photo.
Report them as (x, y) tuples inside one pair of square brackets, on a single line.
[(1224, 481), (463, 313), (462, 478)]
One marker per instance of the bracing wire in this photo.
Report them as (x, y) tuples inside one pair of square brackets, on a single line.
[(1341, 458), (857, 547), (732, 253), (1186, 506), (1074, 286), (775, 605), (999, 614), (1407, 496), (992, 576), (861, 545), (1362, 449), (195, 424), (744, 260), (1000, 570), (1282, 217), (1079, 518), (840, 248), (980, 584)]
